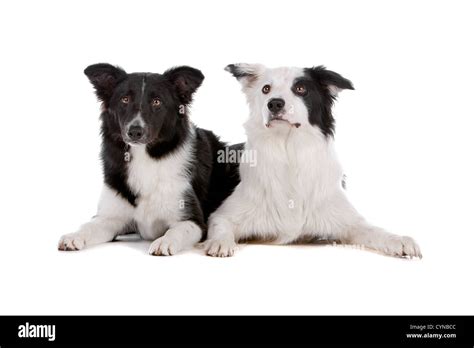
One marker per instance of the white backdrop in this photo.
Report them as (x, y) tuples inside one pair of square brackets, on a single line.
[(405, 138)]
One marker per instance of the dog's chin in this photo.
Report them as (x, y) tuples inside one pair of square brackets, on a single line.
[(135, 143)]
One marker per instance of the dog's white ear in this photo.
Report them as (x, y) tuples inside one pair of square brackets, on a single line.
[(330, 79), (245, 73)]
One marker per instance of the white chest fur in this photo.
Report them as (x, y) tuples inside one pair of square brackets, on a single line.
[(297, 173), (160, 185)]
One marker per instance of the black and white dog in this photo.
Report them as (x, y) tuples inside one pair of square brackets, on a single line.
[(161, 174), (294, 192)]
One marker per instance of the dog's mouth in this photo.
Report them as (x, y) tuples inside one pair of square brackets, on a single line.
[(135, 143), (279, 119)]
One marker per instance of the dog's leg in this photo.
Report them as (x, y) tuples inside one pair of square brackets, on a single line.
[(180, 236), (378, 239), (113, 216), (99, 230), (348, 226), (221, 238)]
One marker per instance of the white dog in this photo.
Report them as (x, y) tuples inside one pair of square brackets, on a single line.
[(295, 191)]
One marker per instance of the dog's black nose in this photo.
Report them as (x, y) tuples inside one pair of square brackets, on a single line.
[(276, 105), (135, 133)]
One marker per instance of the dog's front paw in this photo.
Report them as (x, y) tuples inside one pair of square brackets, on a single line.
[(400, 246), (164, 246), (71, 242), (220, 248)]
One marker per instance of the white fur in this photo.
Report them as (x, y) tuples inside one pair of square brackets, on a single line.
[(180, 233), (161, 185), (295, 190)]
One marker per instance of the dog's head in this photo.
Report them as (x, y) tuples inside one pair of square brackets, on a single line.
[(143, 107), (291, 97)]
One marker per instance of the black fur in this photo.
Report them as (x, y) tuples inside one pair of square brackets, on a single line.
[(104, 78), (167, 128), (318, 98)]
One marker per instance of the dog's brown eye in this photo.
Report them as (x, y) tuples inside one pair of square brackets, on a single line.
[(126, 99), (300, 89), (266, 89), (156, 102)]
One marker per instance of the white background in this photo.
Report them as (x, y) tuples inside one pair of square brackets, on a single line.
[(405, 138)]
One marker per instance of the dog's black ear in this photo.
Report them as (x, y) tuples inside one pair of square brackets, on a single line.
[(330, 79), (245, 73), (104, 77), (186, 81)]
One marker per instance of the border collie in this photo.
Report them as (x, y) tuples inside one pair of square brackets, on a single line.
[(295, 192), (161, 174)]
